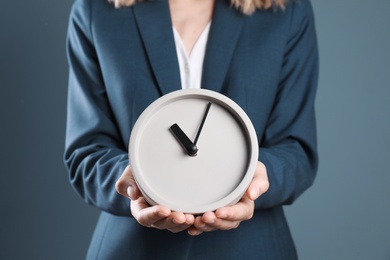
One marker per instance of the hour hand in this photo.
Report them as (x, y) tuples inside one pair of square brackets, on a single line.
[(183, 139)]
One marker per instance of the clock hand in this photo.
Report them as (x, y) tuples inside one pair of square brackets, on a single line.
[(190, 148), (202, 123)]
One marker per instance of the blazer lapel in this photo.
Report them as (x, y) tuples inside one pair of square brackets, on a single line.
[(224, 33), (155, 26)]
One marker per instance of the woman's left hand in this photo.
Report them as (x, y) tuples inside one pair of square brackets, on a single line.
[(230, 217)]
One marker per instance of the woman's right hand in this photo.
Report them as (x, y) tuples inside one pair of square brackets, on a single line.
[(157, 216)]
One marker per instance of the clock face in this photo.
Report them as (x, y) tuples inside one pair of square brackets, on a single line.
[(193, 151)]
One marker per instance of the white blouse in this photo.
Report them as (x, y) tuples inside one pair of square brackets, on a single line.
[(191, 65)]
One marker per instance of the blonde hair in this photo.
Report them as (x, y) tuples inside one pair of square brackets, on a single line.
[(245, 6)]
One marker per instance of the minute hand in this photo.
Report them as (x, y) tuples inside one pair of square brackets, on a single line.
[(202, 123)]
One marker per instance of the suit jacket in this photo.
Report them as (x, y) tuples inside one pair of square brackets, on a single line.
[(121, 60)]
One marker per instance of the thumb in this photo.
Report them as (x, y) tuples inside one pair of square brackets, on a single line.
[(259, 184), (126, 185)]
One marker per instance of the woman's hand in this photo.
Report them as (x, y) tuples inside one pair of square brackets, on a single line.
[(230, 217), (158, 216)]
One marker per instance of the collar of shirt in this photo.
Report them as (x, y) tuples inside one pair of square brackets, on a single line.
[(191, 65)]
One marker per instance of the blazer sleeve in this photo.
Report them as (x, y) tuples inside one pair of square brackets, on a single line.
[(289, 148), (94, 155)]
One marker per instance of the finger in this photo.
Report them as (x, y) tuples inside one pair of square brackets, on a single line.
[(199, 224), (176, 222), (126, 185), (146, 215), (208, 217), (193, 231), (259, 183), (175, 219), (224, 218), (206, 222), (241, 211), (179, 228), (188, 222), (221, 225), (215, 224)]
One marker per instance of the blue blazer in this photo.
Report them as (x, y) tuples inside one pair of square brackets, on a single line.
[(121, 60)]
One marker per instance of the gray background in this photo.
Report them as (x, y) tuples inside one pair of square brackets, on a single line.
[(345, 215)]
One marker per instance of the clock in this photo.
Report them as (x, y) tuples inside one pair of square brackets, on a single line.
[(193, 150)]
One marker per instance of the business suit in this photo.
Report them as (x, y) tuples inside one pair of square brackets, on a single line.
[(122, 60)]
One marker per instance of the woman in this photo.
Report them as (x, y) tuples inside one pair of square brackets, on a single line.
[(260, 53)]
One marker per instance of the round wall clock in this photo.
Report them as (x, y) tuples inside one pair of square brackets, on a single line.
[(193, 150)]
